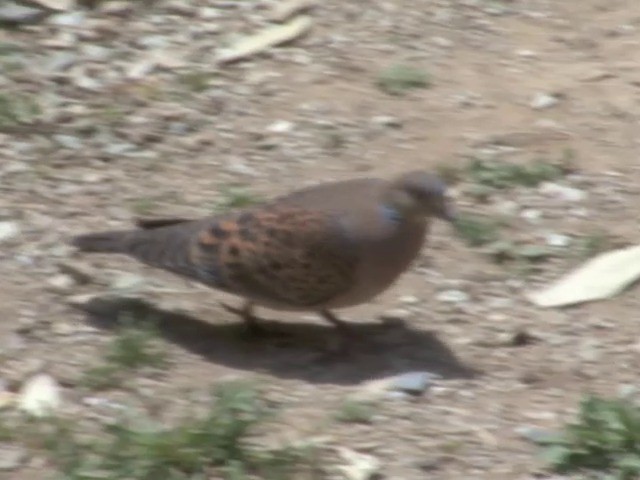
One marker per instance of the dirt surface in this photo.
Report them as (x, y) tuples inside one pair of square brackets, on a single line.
[(160, 144)]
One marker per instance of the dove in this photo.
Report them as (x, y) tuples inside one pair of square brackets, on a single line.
[(317, 249)]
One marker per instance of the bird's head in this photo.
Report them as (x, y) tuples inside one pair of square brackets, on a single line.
[(420, 194)]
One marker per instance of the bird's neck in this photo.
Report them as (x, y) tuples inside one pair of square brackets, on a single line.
[(395, 215)]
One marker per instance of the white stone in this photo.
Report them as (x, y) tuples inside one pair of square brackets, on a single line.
[(280, 126), (557, 240), (541, 101), (40, 395), (8, 230), (562, 192), (453, 296)]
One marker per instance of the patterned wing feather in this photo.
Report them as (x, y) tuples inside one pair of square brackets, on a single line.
[(280, 255)]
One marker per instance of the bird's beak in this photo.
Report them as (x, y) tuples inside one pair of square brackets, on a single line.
[(448, 212)]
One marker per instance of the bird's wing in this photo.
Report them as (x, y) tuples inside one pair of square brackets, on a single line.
[(277, 254)]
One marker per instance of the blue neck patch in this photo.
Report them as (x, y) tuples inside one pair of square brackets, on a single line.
[(391, 214)]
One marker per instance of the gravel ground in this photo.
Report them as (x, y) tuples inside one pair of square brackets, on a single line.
[(121, 111)]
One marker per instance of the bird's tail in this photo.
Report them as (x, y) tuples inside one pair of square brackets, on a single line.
[(166, 247), (103, 242)]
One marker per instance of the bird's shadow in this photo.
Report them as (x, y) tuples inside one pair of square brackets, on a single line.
[(291, 350)]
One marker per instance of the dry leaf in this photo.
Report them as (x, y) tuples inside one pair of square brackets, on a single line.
[(601, 277), (288, 8), (267, 38), (359, 466)]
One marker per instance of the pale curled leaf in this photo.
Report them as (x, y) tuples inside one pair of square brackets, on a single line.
[(359, 466), (265, 39), (601, 277), (285, 9)]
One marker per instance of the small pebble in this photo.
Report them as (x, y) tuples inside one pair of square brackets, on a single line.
[(281, 126), (627, 390), (61, 283), (68, 141), (11, 457), (414, 383), (562, 192), (557, 240), (535, 434), (395, 316), (128, 282), (453, 296), (531, 215), (71, 19), (409, 299), (13, 14), (386, 121), (542, 100), (40, 395), (524, 53), (58, 5), (8, 230)]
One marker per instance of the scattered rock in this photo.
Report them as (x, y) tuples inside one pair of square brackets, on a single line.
[(627, 391), (557, 240), (536, 435), (70, 19), (543, 100), (60, 62), (82, 299), (7, 399), (281, 126), (397, 316), (8, 230), (16, 166), (140, 69), (453, 296), (409, 300), (414, 383), (40, 395), (597, 76), (117, 8), (68, 141), (12, 457), (562, 192), (442, 42), (127, 282), (531, 215), (64, 328), (61, 283), (533, 252), (13, 14), (236, 165), (524, 53), (55, 5), (411, 383), (386, 121)]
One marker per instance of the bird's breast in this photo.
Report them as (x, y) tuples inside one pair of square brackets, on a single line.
[(383, 257)]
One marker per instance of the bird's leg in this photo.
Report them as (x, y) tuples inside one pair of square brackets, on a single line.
[(252, 323), (335, 321), (346, 333)]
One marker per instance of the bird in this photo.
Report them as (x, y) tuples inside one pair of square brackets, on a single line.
[(317, 249)]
